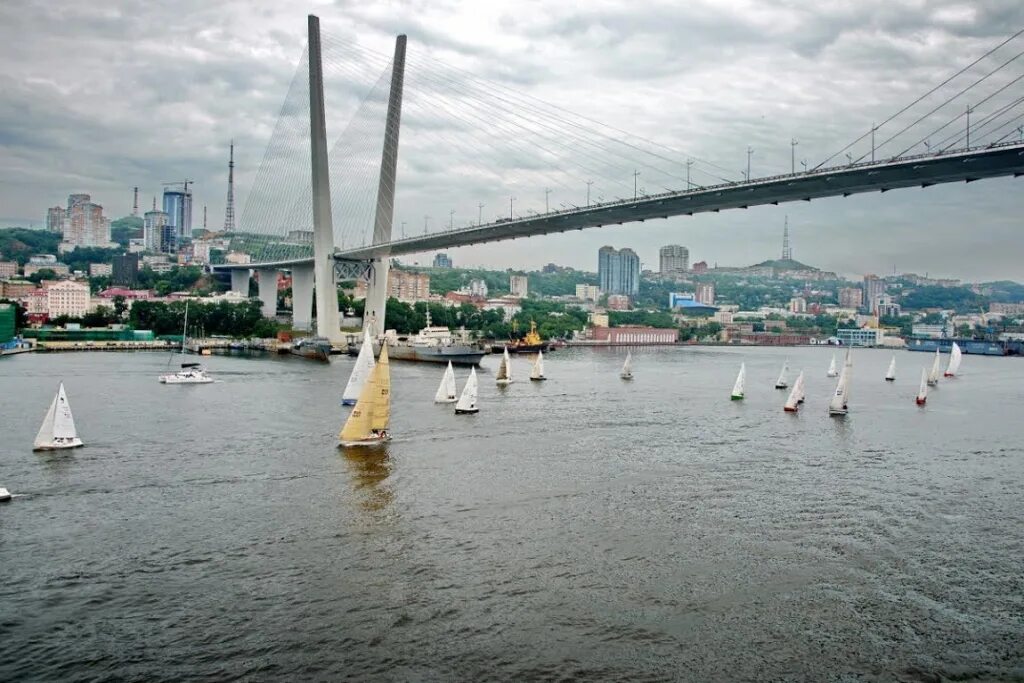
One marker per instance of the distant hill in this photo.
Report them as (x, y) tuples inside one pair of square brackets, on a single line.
[(783, 264)]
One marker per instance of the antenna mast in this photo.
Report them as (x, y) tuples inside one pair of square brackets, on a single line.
[(229, 212)]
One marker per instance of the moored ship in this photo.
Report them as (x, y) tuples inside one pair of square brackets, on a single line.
[(531, 343), (433, 344), (977, 347)]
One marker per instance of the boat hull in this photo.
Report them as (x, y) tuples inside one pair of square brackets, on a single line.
[(74, 443), (466, 411), (5, 495), (503, 382), (528, 348), (627, 377), (538, 379), (457, 354), (372, 441), (735, 398), (179, 380), (890, 379), (446, 400), (976, 347), (781, 386), (837, 412), (790, 409), (920, 401)]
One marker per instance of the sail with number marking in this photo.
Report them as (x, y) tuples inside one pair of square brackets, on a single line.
[(360, 372)]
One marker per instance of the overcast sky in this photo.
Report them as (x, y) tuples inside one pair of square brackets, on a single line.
[(104, 96)]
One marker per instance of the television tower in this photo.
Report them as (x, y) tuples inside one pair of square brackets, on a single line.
[(229, 212), (135, 203), (787, 252)]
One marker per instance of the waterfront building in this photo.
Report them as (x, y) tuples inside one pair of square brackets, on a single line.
[(124, 269), (442, 260), (178, 207), (618, 271), (688, 304), (863, 336), (850, 297), (157, 234), (55, 216), (929, 331), (873, 286), (588, 292), (706, 293), (723, 317), (634, 335), (99, 269), (673, 259), (518, 285), (8, 270), (67, 298)]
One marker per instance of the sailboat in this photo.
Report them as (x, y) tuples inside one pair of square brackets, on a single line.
[(58, 429), (537, 371), (832, 371), (922, 392), (890, 374), (780, 383), (367, 425), (505, 369), (954, 361), (446, 392), (933, 376), (796, 396), (360, 371), (737, 389), (5, 495), (467, 401), (840, 399), (627, 367), (190, 373)]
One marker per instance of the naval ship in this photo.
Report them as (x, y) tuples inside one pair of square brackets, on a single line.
[(432, 344)]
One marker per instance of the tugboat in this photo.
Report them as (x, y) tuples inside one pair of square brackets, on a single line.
[(531, 343)]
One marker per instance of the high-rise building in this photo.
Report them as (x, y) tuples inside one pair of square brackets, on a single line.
[(518, 285), (673, 259), (178, 207), (125, 269), (442, 260), (157, 232), (798, 304), (587, 292), (55, 219), (84, 224), (705, 293), (618, 271), (873, 286), (850, 297)]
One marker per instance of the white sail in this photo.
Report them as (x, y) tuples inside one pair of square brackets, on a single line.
[(922, 391), (467, 401), (891, 372), (954, 360), (63, 421), (800, 386), (849, 359), (504, 375), (796, 395), (447, 392), (627, 367), (45, 435), (780, 383), (839, 402), (360, 371), (537, 371), (933, 376), (832, 371), (737, 388)]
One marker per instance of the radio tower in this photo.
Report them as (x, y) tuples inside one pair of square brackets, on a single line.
[(135, 203), (787, 252), (229, 212)]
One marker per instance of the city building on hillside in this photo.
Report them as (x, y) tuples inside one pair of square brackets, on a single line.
[(137, 245), (201, 251), (929, 331), (723, 317), (705, 293), (851, 297), (402, 285), (618, 271), (873, 286), (8, 270), (1007, 309), (686, 303), (67, 298), (509, 305), (55, 217), (700, 267), (178, 207), (477, 288), (157, 233), (885, 306), (84, 224), (673, 259), (598, 319), (588, 292), (60, 269), (518, 285), (618, 302), (98, 269), (442, 260), (863, 336), (798, 304)]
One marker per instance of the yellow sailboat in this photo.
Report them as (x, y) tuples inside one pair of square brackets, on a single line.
[(367, 425)]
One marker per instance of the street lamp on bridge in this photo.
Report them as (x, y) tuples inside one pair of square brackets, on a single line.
[(589, 183), (510, 214), (792, 155), (636, 174), (750, 153), (426, 220), (547, 193)]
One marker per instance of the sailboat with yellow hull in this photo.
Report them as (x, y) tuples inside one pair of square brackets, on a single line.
[(368, 423)]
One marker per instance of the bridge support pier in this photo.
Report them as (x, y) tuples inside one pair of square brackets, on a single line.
[(268, 291), (302, 298), (240, 281)]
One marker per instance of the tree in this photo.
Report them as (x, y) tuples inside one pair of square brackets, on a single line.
[(42, 274), (120, 306)]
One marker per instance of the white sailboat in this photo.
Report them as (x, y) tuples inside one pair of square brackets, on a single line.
[(781, 383), (360, 372), (504, 375), (890, 374), (839, 405), (537, 371), (367, 425), (922, 391), (954, 361), (5, 495), (796, 396), (58, 429), (933, 376), (190, 373), (832, 371), (467, 401), (627, 367), (447, 391), (737, 388)]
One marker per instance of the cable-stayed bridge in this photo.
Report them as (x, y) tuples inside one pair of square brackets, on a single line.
[(333, 213)]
